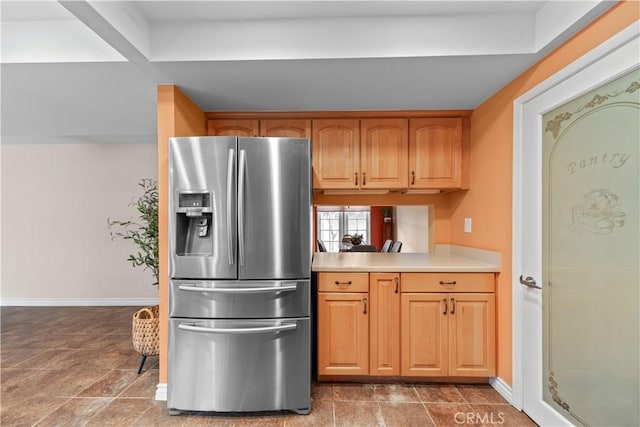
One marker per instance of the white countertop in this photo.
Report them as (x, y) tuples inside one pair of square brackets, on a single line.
[(445, 259)]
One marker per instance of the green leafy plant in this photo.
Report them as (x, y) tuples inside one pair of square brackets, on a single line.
[(143, 233)]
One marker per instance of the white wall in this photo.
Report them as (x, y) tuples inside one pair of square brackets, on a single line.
[(412, 228), (56, 248)]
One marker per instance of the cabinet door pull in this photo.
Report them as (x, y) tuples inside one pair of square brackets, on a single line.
[(343, 283), (446, 308), (364, 300), (364, 178), (413, 177), (453, 306), (356, 174), (442, 282), (397, 285)]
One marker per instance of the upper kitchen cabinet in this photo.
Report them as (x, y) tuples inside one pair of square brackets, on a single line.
[(384, 146), (286, 128), (362, 150), (360, 154), (336, 153), (233, 127), (435, 153)]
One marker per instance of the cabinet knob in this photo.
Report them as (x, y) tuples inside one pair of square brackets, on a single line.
[(453, 306), (364, 178), (413, 177), (356, 174), (446, 308), (364, 300), (397, 285)]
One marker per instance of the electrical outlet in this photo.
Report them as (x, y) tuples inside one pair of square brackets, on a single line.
[(467, 225)]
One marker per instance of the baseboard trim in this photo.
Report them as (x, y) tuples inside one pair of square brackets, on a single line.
[(497, 383), (67, 302), (503, 389), (161, 391)]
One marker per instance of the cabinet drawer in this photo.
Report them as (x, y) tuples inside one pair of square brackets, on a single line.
[(447, 282), (343, 282)]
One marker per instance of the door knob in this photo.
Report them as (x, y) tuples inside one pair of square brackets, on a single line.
[(529, 282)]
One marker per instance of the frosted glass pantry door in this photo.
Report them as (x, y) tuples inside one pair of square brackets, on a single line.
[(591, 255)]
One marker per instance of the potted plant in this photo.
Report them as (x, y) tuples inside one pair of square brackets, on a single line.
[(386, 213), (144, 234)]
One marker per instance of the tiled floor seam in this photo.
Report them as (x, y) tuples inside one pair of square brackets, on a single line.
[(433, 422), (333, 407), (380, 414), (51, 412)]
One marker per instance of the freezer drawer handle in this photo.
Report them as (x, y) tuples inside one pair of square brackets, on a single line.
[(239, 331), (288, 287)]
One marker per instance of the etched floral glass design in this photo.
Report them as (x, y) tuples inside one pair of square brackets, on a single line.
[(591, 255)]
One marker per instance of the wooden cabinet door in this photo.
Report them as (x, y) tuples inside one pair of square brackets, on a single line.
[(384, 153), (286, 128), (472, 335), (435, 153), (336, 153), (343, 333), (233, 127), (384, 324), (424, 334)]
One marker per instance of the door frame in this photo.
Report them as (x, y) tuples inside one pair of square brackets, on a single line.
[(613, 58)]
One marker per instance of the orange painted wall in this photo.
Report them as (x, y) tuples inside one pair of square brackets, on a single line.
[(488, 202), (177, 116)]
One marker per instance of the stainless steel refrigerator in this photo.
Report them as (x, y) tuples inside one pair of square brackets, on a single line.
[(240, 268)]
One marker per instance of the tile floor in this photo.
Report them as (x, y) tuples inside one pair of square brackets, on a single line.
[(75, 366)]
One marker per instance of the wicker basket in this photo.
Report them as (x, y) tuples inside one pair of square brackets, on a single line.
[(145, 331)]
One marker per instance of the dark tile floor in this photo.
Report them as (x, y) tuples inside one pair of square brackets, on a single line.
[(75, 366)]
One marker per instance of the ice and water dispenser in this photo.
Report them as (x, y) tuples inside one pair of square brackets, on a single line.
[(194, 230)]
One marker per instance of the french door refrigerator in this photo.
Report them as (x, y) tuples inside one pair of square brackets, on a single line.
[(240, 268)]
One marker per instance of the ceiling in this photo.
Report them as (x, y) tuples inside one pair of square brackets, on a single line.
[(88, 70)]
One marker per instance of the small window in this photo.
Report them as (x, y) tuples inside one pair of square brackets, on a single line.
[(336, 221)]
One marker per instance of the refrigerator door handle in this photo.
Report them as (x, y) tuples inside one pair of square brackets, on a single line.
[(238, 331), (261, 289), (241, 178), (230, 215)]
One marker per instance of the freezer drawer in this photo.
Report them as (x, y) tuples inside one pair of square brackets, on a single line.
[(239, 299), (239, 365)]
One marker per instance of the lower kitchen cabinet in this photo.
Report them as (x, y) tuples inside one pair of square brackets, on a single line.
[(424, 335), (384, 324), (472, 335), (448, 334), (406, 324), (343, 324)]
